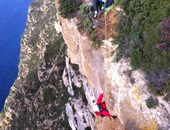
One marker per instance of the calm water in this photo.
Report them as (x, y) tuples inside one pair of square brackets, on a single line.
[(13, 17)]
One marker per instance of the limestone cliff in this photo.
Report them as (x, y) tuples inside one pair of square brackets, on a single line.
[(32, 102), (125, 90), (58, 82), (48, 93)]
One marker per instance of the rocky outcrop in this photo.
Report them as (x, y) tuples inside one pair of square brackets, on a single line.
[(77, 108), (125, 89), (48, 93), (56, 85), (38, 97)]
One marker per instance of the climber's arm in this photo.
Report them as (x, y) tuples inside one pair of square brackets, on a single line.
[(99, 100)]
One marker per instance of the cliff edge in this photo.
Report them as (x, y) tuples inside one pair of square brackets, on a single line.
[(125, 90)]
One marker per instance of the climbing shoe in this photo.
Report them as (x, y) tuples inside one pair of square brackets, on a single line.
[(102, 9), (114, 117), (95, 15)]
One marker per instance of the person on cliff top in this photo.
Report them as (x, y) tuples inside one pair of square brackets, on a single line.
[(100, 108), (105, 4)]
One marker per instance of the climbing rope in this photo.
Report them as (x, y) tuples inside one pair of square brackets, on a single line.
[(106, 22), (105, 31), (105, 13), (105, 17)]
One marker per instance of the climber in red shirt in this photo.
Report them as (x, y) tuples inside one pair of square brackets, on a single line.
[(100, 108)]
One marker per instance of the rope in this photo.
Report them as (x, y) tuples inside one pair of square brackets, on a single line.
[(105, 17), (105, 21), (106, 37)]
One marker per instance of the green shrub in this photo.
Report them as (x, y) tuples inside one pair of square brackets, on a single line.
[(118, 56), (32, 75), (88, 128), (151, 102), (68, 7), (85, 10), (136, 56), (53, 49), (144, 26), (152, 89), (140, 33), (88, 25), (159, 82), (96, 43), (48, 96), (116, 2)]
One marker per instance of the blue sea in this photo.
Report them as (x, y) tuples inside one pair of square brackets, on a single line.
[(13, 17)]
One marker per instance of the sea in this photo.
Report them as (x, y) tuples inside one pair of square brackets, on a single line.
[(13, 18)]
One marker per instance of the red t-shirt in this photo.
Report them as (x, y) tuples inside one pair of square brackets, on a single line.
[(103, 112)]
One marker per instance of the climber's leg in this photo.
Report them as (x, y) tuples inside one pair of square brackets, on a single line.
[(108, 3)]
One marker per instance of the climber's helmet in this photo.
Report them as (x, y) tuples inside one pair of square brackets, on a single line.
[(96, 108)]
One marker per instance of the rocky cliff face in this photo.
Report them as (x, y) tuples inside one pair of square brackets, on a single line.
[(48, 93), (58, 82), (33, 102), (39, 99), (125, 90)]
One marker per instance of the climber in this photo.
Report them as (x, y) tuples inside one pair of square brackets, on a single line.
[(105, 4), (100, 108)]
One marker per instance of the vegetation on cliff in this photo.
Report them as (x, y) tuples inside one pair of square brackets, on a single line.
[(38, 97), (68, 7), (151, 102), (146, 28), (143, 33), (46, 98)]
